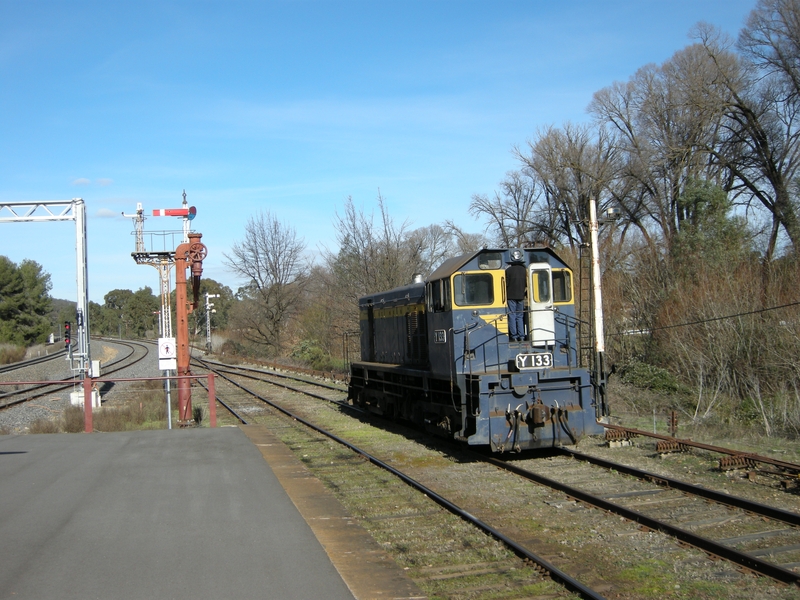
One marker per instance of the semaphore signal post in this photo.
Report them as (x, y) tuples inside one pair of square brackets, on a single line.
[(174, 353)]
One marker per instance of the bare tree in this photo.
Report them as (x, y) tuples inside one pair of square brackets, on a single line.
[(432, 244), (375, 254), (771, 41), (572, 165), (465, 241), (509, 213), (760, 138), (270, 261), (372, 257), (663, 132)]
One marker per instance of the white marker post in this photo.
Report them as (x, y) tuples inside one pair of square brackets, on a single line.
[(167, 361)]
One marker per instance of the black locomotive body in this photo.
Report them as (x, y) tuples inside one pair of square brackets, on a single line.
[(437, 353)]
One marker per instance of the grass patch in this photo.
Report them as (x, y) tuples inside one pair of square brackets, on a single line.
[(45, 426), (145, 409), (706, 590), (649, 579), (73, 419)]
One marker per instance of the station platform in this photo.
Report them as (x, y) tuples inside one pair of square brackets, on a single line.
[(181, 514)]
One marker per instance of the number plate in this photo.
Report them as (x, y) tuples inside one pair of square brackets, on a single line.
[(540, 360)]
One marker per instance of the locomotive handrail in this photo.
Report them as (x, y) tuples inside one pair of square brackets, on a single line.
[(565, 319), (465, 328), (467, 360), (469, 353)]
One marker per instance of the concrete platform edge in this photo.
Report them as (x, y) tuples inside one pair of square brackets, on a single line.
[(367, 570)]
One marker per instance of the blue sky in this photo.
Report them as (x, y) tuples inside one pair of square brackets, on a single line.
[(291, 107)]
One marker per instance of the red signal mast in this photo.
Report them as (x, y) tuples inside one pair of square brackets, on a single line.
[(187, 255)]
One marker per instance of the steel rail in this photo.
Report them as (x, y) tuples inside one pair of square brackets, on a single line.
[(32, 361), (764, 510), (789, 466), (63, 384), (284, 385), (708, 546), (272, 373), (744, 560), (554, 572), (224, 404)]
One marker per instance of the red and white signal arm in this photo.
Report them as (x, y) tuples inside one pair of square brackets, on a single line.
[(167, 354), (190, 213)]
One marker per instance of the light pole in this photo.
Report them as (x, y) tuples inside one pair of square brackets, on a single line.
[(209, 312)]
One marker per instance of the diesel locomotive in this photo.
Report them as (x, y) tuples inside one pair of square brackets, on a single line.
[(438, 353)]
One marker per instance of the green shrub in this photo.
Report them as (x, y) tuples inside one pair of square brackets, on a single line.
[(313, 356), (112, 418), (649, 377)]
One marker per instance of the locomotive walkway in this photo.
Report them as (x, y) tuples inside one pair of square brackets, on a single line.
[(194, 513)]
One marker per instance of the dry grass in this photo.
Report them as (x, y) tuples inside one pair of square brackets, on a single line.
[(145, 409), (45, 426), (11, 354), (649, 411)]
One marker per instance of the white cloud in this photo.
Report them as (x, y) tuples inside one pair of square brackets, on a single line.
[(104, 181), (81, 181)]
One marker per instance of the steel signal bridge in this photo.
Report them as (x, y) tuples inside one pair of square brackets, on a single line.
[(63, 210)]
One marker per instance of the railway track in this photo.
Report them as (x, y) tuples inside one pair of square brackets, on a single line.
[(33, 389), (744, 536), (238, 407), (680, 510), (33, 361), (729, 459)]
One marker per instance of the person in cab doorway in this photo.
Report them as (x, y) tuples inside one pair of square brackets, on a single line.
[(516, 278)]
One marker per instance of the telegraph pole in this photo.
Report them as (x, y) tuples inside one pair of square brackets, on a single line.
[(599, 374)]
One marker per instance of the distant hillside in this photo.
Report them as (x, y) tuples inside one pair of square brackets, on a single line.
[(61, 308)]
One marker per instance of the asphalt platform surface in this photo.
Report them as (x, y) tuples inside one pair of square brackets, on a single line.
[(182, 514)]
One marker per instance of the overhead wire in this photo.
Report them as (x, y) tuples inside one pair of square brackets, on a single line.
[(702, 321)]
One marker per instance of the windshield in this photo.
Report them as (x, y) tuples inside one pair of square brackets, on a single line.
[(473, 288)]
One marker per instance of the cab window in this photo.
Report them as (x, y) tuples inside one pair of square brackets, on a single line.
[(562, 286), (471, 289), (541, 285), (490, 260), (439, 295)]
